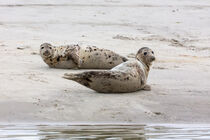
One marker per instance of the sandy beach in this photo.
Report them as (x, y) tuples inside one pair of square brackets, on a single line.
[(177, 31)]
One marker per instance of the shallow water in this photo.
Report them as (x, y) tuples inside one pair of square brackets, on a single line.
[(107, 132)]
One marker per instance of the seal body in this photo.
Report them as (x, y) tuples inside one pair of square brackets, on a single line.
[(73, 56), (129, 76), (95, 58)]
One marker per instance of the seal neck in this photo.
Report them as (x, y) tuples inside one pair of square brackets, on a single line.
[(146, 67)]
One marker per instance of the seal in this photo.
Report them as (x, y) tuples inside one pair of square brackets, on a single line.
[(74, 56), (129, 76)]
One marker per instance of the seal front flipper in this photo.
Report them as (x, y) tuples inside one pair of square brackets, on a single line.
[(72, 53), (146, 88)]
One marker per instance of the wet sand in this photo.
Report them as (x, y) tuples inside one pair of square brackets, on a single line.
[(178, 32)]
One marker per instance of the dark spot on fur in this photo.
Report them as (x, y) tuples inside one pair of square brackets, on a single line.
[(87, 79), (142, 82), (124, 59), (88, 56), (114, 58), (94, 49), (90, 49), (96, 54), (68, 58), (50, 59), (58, 59), (86, 84), (110, 62), (100, 74), (83, 57), (109, 56), (140, 72)]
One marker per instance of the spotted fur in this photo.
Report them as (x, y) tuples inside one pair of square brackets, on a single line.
[(129, 76), (73, 56)]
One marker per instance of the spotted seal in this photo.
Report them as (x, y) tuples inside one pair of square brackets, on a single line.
[(74, 56), (129, 76)]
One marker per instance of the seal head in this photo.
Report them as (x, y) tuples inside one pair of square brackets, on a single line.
[(145, 55), (46, 50)]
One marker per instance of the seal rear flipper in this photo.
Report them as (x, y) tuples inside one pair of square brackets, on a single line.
[(80, 78), (90, 79), (70, 76)]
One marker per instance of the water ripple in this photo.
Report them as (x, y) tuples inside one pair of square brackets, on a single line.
[(105, 132)]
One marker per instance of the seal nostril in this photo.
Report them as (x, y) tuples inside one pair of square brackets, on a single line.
[(46, 52), (153, 58)]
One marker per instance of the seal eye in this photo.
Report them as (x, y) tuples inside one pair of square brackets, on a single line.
[(152, 52), (42, 47), (145, 53), (50, 47)]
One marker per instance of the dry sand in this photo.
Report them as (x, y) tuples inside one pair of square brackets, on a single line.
[(177, 30)]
